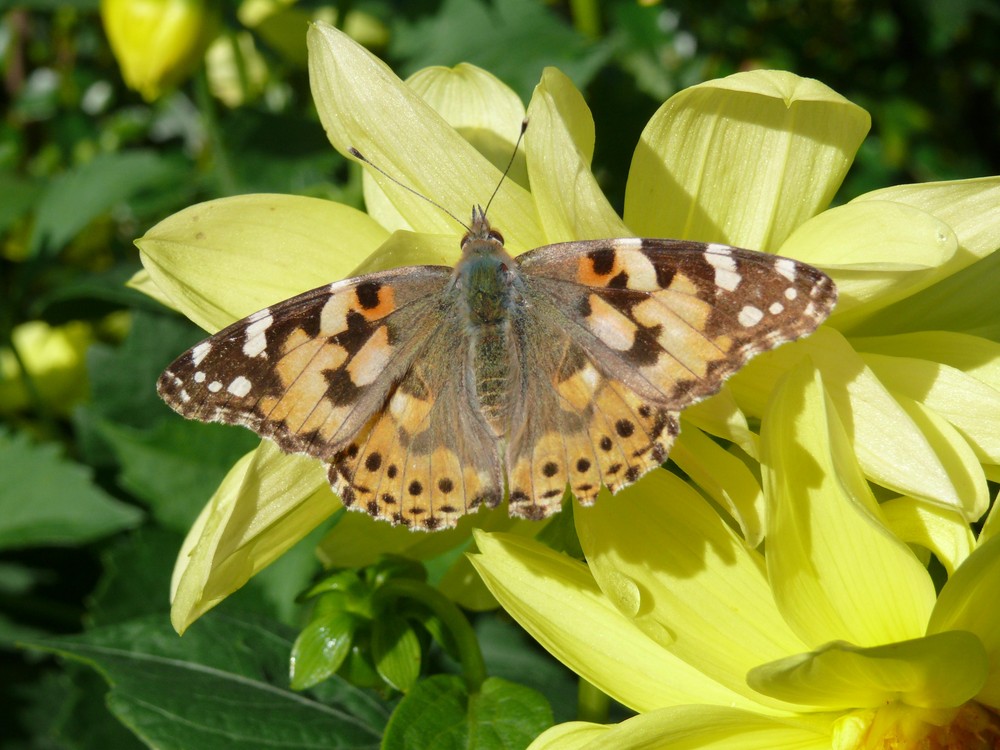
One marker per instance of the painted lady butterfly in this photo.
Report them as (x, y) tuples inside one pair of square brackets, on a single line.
[(428, 391)]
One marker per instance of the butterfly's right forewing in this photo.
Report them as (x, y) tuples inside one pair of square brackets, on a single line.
[(310, 372)]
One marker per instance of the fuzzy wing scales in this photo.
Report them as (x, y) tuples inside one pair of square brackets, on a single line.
[(309, 372), (622, 335), (673, 319)]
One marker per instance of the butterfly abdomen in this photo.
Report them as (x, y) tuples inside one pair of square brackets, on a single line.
[(490, 295)]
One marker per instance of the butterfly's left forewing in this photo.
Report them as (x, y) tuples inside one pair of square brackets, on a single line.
[(672, 319)]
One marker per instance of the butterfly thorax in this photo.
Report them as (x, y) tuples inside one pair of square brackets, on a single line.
[(490, 287)]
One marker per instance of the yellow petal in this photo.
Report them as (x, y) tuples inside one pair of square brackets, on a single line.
[(484, 111), (991, 526), (721, 416), (691, 728), (973, 355), (956, 457), (890, 446), (724, 478), (743, 160), (878, 252), (267, 503), (669, 562), (968, 602), (557, 601), (141, 281), (943, 532), (559, 145), (411, 249), (970, 405), (836, 570), (939, 671), (362, 104), (221, 260), (967, 206)]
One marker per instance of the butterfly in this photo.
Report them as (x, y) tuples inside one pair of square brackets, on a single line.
[(428, 391)]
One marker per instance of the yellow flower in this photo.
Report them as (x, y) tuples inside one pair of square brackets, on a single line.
[(751, 160), (158, 43), (832, 639), (54, 360)]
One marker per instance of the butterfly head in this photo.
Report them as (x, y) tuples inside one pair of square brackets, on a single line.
[(481, 239)]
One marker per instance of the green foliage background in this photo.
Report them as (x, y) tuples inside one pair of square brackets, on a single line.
[(99, 481)]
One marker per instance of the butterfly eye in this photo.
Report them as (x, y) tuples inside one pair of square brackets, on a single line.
[(496, 236)]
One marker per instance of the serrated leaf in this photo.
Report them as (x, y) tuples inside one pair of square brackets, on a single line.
[(440, 713), (223, 685), (46, 499)]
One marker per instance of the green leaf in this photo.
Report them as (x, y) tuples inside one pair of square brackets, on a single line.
[(177, 465), (396, 651), (512, 654), (17, 196), (74, 198), (123, 379), (46, 499), (439, 714), (136, 577), (321, 648), (223, 685), (484, 35)]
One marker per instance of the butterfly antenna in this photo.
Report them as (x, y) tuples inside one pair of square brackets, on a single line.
[(524, 126), (361, 157)]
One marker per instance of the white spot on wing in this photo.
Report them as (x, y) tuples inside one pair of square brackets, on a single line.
[(726, 276), (791, 293), (256, 340), (776, 308), (215, 386), (200, 352), (199, 377), (240, 386), (786, 268), (749, 316)]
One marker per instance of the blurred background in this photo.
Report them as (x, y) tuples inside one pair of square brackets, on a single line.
[(118, 113)]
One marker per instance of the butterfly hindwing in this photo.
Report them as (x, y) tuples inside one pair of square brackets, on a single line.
[(427, 457)]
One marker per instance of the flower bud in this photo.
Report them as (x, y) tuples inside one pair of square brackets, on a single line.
[(158, 42)]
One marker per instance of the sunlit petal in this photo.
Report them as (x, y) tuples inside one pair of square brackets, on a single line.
[(559, 144), (967, 602), (691, 728), (669, 562), (939, 671), (836, 570), (556, 599), (362, 104), (267, 503), (282, 245), (742, 160)]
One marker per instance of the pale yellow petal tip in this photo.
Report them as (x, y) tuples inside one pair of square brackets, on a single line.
[(938, 671), (784, 85)]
